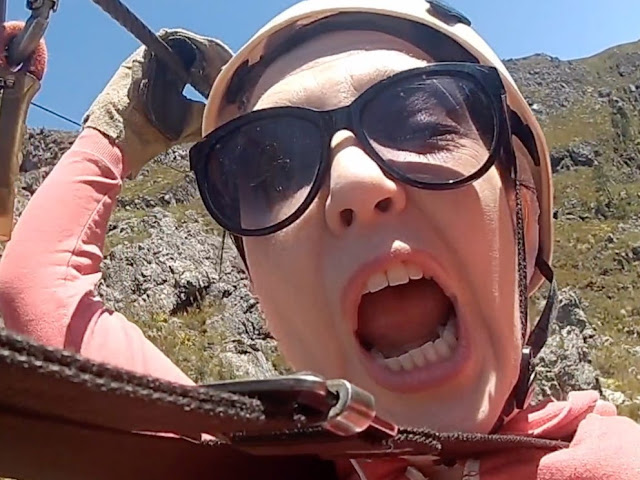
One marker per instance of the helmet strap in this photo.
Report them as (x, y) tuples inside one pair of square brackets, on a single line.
[(522, 391)]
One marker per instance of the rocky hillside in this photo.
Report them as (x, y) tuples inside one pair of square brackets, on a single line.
[(164, 267), (590, 110)]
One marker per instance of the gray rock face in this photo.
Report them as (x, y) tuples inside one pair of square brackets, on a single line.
[(579, 154), (163, 273), (629, 64), (549, 83), (564, 364), (42, 148), (177, 268)]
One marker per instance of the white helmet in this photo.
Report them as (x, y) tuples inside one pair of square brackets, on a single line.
[(398, 17)]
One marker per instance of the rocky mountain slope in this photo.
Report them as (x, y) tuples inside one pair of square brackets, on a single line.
[(590, 110), (164, 267)]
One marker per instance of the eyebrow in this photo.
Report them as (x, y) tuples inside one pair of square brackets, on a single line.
[(374, 76), (308, 96)]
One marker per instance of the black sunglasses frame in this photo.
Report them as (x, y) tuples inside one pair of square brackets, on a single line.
[(486, 78)]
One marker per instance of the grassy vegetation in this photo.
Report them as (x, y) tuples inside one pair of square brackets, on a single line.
[(190, 340), (194, 210), (591, 117), (599, 218), (587, 119), (593, 121), (596, 256), (603, 66), (113, 239), (158, 180)]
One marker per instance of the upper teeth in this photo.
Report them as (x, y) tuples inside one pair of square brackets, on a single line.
[(395, 274)]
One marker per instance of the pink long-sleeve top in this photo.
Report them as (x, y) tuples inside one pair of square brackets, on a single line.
[(50, 268)]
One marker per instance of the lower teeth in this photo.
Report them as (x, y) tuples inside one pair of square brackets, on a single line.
[(431, 352)]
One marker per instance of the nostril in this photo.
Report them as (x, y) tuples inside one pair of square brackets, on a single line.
[(384, 205), (346, 217)]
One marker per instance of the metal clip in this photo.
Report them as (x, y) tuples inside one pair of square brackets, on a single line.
[(25, 43), (346, 409), (17, 89), (354, 412)]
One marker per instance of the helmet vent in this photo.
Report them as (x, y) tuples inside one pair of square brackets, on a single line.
[(446, 13)]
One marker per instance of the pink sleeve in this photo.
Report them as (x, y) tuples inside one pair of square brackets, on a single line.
[(604, 447), (50, 268)]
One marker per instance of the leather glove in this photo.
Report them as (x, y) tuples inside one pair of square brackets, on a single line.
[(142, 108)]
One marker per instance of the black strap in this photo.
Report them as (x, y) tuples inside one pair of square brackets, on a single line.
[(60, 384), (540, 332), (537, 338), (408, 441), (524, 133), (64, 417)]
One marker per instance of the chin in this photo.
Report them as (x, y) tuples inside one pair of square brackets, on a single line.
[(473, 407)]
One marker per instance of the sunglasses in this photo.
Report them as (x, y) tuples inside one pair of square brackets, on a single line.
[(436, 127)]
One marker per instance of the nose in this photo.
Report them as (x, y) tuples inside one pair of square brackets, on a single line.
[(359, 191)]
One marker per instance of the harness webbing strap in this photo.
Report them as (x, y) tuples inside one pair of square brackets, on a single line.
[(63, 417), (69, 418), (66, 386), (41, 448)]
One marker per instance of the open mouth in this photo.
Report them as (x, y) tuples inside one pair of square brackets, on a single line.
[(407, 323)]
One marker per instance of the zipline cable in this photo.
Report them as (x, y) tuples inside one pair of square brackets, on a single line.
[(130, 22), (59, 115), (3, 11), (56, 114)]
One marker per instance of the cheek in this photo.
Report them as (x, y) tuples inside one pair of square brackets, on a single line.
[(487, 257), (286, 272), (476, 229), (495, 225), (501, 273), (474, 223), (280, 264)]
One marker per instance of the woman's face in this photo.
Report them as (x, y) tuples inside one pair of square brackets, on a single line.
[(439, 346)]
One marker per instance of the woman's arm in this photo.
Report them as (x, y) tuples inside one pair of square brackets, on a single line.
[(51, 266)]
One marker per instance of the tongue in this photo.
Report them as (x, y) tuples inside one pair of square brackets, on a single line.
[(397, 319)]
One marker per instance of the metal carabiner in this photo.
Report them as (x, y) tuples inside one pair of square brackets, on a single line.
[(25, 43), (19, 83), (355, 411), (17, 89)]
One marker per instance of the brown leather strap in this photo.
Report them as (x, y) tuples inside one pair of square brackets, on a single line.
[(62, 385), (64, 416), (37, 448)]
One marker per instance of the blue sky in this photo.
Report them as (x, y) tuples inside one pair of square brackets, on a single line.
[(86, 46)]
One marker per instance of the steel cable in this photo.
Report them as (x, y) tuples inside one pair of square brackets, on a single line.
[(3, 11), (130, 22)]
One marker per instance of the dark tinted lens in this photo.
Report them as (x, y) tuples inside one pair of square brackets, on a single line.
[(435, 130), (261, 173)]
